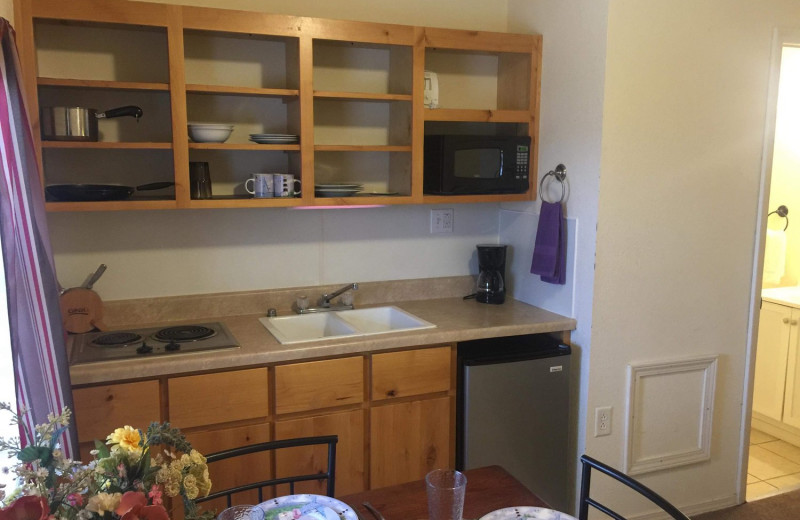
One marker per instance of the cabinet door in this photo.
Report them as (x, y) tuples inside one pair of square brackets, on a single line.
[(237, 471), (101, 409), (218, 398), (408, 440), (410, 372), (319, 384), (791, 398), (349, 426), (771, 354)]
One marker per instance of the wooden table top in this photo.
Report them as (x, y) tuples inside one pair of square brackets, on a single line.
[(488, 489)]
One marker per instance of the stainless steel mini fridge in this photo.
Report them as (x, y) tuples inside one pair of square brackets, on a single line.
[(513, 411)]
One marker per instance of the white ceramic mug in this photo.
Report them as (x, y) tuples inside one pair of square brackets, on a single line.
[(262, 185), (286, 185)]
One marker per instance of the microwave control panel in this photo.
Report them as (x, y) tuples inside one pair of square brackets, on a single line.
[(523, 152)]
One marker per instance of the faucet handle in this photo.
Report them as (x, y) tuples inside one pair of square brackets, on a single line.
[(347, 298), (302, 302)]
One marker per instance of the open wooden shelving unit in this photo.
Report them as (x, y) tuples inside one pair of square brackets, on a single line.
[(351, 91)]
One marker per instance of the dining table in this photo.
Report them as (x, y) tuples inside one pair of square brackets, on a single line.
[(488, 489)]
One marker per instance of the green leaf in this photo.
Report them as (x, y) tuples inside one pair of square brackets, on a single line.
[(102, 449), (33, 453)]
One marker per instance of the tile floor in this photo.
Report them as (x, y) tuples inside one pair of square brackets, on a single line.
[(773, 466)]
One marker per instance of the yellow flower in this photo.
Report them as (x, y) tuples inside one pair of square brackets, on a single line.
[(127, 438), (102, 503)]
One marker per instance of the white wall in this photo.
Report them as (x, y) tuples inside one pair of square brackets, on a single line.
[(683, 124), (164, 253), (573, 69)]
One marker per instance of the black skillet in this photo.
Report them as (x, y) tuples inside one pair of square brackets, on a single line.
[(97, 192)]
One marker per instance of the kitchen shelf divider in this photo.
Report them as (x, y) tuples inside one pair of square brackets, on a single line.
[(477, 116), (242, 91), (101, 84), (107, 145)]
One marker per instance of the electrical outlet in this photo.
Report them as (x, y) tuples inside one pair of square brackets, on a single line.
[(442, 220), (602, 421)]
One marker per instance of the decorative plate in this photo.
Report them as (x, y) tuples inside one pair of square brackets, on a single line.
[(526, 513), (294, 506)]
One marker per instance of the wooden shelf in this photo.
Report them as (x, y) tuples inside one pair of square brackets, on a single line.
[(361, 96), (461, 199), (242, 91), (106, 145), (360, 148), (477, 116), (364, 200), (216, 49), (245, 146), (245, 202), (115, 205), (100, 84)]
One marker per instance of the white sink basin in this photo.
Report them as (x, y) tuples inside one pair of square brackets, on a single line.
[(383, 319), (307, 327), (341, 324)]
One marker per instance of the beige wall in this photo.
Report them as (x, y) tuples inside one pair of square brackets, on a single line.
[(684, 112)]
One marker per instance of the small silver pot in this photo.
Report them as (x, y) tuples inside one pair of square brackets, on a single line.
[(78, 123)]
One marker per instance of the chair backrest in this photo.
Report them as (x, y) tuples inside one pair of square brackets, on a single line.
[(329, 475), (586, 501)]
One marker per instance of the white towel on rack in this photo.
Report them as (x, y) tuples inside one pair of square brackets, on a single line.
[(774, 256)]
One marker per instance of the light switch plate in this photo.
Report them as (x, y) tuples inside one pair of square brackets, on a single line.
[(442, 220)]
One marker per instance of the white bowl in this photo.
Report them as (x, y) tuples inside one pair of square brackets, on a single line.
[(209, 133)]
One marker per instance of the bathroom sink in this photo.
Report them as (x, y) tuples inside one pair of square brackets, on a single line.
[(341, 324), (383, 319), (308, 327)]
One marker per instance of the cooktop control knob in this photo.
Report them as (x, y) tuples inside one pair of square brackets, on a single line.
[(172, 346), (144, 349)]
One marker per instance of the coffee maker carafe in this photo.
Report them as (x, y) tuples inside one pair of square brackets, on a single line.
[(491, 278)]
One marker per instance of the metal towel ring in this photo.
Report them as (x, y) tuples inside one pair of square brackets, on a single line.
[(560, 174), (782, 211)]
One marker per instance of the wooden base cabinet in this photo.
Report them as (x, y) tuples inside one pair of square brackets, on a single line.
[(408, 440), (349, 426)]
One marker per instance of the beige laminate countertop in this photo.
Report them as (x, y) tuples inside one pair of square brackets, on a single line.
[(455, 320)]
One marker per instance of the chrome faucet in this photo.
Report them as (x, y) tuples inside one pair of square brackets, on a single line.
[(324, 303)]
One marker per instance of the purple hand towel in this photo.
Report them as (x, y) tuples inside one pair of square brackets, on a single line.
[(550, 248)]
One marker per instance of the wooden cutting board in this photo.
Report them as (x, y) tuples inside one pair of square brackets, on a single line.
[(81, 310)]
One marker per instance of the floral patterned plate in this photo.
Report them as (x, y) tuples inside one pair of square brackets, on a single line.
[(526, 513), (293, 507)]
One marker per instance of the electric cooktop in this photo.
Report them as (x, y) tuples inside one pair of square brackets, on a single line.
[(157, 341)]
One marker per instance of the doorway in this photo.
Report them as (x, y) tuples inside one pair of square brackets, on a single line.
[(773, 464)]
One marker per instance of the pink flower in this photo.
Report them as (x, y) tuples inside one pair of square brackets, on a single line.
[(27, 507), (122, 471), (155, 495), (133, 506), (75, 499)]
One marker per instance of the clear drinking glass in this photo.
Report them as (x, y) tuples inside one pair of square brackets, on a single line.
[(241, 513), (446, 489)]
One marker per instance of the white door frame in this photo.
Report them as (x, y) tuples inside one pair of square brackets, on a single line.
[(781, 37)]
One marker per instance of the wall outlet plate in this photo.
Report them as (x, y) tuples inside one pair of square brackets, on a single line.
[(602, 421), (442, 220)]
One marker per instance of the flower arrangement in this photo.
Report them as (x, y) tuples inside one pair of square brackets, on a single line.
[(125, 481)]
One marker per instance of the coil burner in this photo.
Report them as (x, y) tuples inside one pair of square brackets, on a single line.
[(123, 344)]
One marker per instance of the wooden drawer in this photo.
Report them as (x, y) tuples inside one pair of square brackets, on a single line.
[(411, 372), (319, 384), (101, 409), (217, 398)]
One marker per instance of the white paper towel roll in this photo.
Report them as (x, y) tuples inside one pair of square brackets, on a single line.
[(774, 256)]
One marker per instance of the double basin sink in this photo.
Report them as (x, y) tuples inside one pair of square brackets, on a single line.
[(342, 324)]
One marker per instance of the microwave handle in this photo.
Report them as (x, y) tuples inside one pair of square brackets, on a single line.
[(502, 161)]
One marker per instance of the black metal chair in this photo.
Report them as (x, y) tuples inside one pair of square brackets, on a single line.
[(329, 475), (586, 501)]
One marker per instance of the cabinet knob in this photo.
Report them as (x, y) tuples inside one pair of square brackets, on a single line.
[(793, 322), (786, 320)]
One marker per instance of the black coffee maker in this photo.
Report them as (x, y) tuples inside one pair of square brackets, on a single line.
[(491, 278)]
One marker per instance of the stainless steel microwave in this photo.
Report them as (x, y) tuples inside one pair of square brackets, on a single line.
[(476, 164)]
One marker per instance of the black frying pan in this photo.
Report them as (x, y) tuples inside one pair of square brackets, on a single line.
[(97, 192)]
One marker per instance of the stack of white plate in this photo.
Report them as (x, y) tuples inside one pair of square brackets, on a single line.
[(337, 189), (274, 138)]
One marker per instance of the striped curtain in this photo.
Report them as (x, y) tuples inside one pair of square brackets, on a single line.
[(38, 346)]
